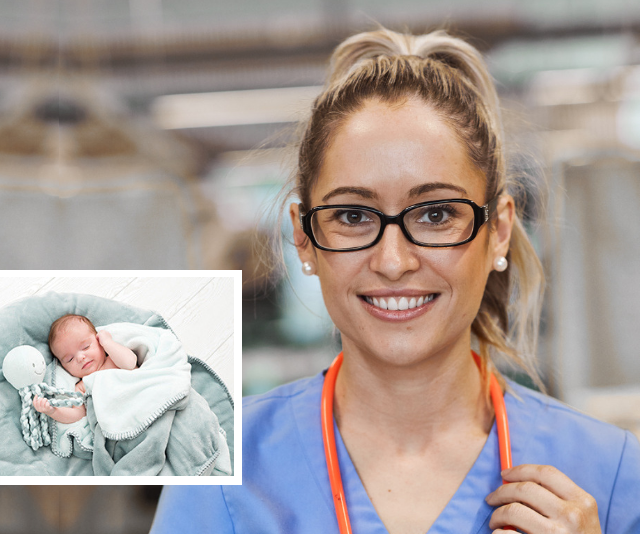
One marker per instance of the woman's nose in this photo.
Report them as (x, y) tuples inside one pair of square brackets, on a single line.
[(394, 255)]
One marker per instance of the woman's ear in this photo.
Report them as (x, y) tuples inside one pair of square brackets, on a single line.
[(305, 249), (506, 211)]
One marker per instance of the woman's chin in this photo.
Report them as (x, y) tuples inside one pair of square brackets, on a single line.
[(385, 352)]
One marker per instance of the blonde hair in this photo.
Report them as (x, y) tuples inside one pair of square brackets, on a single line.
[(450, 76)]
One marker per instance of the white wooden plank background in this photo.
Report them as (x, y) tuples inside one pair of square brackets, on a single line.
[(200, 310)]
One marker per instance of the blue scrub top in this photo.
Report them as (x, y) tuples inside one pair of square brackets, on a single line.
[(286, 487)]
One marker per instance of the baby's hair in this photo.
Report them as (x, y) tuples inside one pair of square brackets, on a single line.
[(60, 324)]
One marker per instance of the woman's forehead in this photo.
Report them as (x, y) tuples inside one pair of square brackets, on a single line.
[(395, 149)]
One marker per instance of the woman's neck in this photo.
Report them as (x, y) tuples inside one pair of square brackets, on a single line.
[(412, 405)]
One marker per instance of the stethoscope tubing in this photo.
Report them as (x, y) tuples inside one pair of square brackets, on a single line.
[(329, 440), (328, 436)]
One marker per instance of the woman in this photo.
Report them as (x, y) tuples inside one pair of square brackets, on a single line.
[(406, 219)]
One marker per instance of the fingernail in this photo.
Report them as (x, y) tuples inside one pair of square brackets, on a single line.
[(505, 471)]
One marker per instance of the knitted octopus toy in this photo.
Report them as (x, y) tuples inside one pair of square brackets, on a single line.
[(24, 368)]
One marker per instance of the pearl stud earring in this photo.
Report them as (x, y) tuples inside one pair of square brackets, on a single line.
[(308, 268), (500, 264)]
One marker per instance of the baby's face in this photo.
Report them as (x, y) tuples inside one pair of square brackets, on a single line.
[(78, 349)]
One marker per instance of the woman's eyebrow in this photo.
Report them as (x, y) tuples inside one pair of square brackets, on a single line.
[(360, 191), (414, 192), (435, 186)]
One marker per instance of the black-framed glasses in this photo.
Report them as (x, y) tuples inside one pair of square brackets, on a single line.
[(437, 223)]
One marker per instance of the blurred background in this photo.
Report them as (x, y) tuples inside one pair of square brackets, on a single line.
[(157, 134)]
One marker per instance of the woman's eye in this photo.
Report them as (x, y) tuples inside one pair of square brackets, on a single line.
[(354, 217), (436, 214)]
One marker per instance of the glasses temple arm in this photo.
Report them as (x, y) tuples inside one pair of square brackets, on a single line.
[(491, 206), (301, 216)]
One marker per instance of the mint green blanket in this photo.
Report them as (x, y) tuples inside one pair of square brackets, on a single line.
[(172, 438)]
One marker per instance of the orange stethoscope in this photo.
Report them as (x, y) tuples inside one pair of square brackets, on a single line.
[(329, 439)]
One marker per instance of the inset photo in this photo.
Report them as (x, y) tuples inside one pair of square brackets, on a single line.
[(120, 373)]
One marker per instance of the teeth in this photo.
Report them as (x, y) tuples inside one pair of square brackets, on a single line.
[(399, 303)]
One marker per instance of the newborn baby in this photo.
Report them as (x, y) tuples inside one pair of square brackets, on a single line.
[(82, 351)]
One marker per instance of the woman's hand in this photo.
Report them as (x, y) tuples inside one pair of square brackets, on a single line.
[(42, 405), (539, 499)]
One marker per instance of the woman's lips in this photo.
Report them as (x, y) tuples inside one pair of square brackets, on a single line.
[(398, 307)]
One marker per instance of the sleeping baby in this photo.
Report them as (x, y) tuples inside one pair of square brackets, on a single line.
[(82, 351), (149, 422)]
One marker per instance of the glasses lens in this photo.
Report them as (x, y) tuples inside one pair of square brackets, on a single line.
[(345, 228), (448, 223)]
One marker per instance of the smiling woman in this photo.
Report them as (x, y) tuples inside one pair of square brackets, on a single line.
[(415, 158), (406, 218)]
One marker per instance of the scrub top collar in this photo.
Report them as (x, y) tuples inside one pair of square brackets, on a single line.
[(466, 511)]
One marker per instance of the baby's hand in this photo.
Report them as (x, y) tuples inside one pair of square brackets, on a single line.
[(80, 387), (43, 405), (103, 336)]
